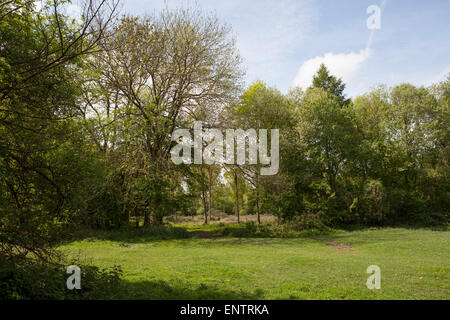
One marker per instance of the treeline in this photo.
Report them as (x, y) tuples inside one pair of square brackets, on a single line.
[(380, 159), (87, 108)]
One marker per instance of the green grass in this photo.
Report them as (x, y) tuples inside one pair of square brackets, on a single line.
[(414, 265)]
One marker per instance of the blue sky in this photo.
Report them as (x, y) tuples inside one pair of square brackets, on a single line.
[(283, 41)]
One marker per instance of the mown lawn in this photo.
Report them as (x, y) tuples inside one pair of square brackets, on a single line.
[(415, 264)]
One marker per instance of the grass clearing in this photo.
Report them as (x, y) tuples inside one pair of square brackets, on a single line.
[(414, 265)]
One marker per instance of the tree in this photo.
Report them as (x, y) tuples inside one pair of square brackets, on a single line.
[(403, 138), (330, 84), (261, 108), (40, 188), (163, 71)]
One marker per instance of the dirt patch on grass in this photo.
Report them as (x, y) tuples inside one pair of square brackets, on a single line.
[(338, 245), (206, 235)]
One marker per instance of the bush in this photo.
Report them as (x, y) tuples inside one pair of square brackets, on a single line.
[(298, 226), (305, 222), (37, 281)]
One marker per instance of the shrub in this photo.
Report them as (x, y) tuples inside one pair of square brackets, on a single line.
[(37, 281), (305, 222)]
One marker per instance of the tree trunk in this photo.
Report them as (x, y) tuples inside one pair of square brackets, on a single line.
[(203, 196), (157, 215), (146, 218), (210, 192), (257, 199), (236, 203), (136, 217), (159, 219), (205, 206)]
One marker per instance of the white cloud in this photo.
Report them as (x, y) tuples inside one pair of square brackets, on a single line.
[(343, 65), (268, 32)]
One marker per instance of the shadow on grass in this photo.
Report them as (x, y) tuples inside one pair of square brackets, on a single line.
[(43, 282), (223, 235), (128, 235), (165, 232), (162, 290), (227, 235)]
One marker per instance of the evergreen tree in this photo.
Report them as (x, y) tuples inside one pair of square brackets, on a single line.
[(334, 86)]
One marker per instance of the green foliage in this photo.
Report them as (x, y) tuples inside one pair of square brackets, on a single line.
[(334, 86), (43, 282), (47, 165), (86, 116), (382, 159), (299, 226)]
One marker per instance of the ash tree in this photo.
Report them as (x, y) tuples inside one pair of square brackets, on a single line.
[(156, 74)]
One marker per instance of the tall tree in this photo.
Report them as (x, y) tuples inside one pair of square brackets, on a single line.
[(266, 108), (334, 86), (40, 55), (165, 70)]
